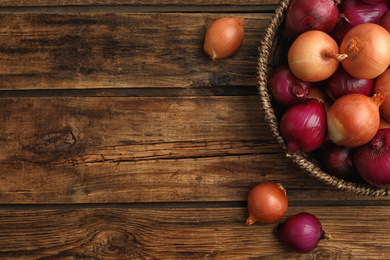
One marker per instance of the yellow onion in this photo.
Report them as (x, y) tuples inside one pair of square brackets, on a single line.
[(353, 119), (368, 48), (224, 37)]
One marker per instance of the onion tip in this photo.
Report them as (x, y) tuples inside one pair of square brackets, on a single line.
[(379, 98), (250, 221), (328, 236)]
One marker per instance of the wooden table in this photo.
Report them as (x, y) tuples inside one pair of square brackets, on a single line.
[(121, 139)]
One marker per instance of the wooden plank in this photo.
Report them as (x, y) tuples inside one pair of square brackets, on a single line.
[(131, 2), (117, 150), (194, 233), (110, 50), (63, 150)]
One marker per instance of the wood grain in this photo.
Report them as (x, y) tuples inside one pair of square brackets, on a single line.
[(79, 150), (121, 150), (84, 51), (132, 2), (168, 233)]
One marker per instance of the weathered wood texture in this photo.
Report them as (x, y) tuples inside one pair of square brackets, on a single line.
[(104, 149), (132, 2), (67, 51), (121, 139), (187, 233)]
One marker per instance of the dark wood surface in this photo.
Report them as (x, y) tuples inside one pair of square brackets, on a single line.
[(121, 139)]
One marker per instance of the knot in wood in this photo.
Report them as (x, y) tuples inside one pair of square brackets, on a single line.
[(58, 143)]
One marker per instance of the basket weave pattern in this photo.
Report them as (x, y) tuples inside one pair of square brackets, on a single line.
[(268, 49)]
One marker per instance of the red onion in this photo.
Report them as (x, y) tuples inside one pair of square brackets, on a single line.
[(304, 15), (302, 232), (342, 83), (338, 161), (285, 88), (355, 12), (303, 126), (384, 21), (372, 160), (375, 1)]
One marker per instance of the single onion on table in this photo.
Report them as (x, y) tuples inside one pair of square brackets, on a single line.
[(267, 203), (302, 232), (224, 37)]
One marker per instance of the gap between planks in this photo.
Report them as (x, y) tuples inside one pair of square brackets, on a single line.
[(142, 9), (134, 92), (192, 205)]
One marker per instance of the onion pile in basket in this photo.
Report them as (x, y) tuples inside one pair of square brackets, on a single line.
[(334, 93)]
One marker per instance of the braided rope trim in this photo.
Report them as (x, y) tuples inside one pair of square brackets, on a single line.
[(270, 117)]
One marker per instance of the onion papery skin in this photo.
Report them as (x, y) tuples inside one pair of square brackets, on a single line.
[(358, 11), (342, 83), (368, 48), (267, 203), (353, 119), (285, 88), (319, 92), (338, 161), (224, 37), (372, 160), (384, 123), (382, 85), (313, 56), (305, 15), (385, 21), (301, 232), (303, 126), (355, 12)]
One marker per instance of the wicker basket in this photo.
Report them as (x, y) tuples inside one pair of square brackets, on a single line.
[(273, 53)]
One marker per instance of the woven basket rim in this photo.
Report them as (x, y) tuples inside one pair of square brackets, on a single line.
[(272, 121)]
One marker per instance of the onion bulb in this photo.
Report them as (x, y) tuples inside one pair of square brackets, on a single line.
[(267, 203), (314, 56), (367, 46), (342, 83), (382, 85), (354, 119), (285, 88), (224, 37), (305, 15), (302, 232), (372, 160), (384, 21), (338, 161), (303, 126)]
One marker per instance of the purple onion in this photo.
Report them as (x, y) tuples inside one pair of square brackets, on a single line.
[(305, 15), (372, 160), (303, 126), (384, 21), (301, 232), (338, 161), (342, 83), (355, 12), (375, 1), (285, 88)]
